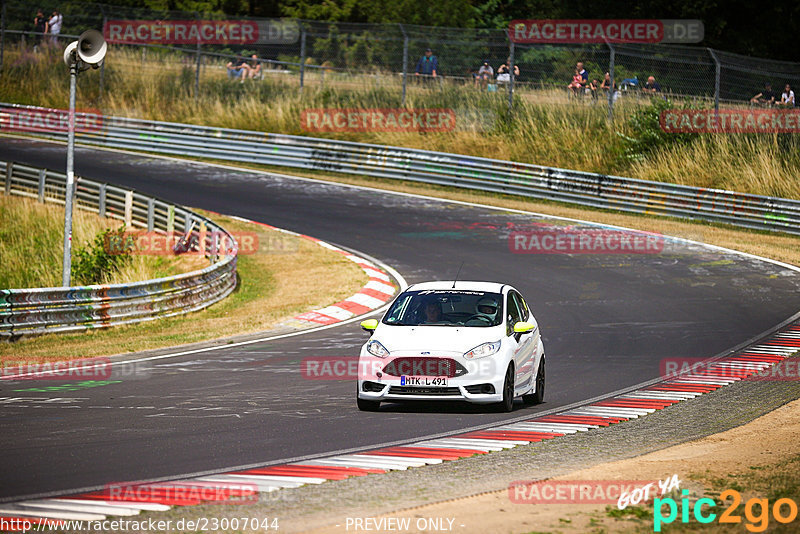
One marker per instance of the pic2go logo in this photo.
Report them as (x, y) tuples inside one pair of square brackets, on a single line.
[(756, 511)]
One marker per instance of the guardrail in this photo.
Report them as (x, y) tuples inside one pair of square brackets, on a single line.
[(548, 183), (57, 309)]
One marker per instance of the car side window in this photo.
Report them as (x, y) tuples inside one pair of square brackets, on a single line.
[(524, 313), (512, 314)]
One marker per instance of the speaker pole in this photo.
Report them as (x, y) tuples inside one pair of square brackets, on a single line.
[(69, 194), (88, 51)]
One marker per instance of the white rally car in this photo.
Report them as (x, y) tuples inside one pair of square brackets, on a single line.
[(471, 341)]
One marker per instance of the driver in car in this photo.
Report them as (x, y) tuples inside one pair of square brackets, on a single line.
[(433, 312), (487, 307)]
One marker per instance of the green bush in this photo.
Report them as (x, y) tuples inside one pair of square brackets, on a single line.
[(96, 262), (647, 136)]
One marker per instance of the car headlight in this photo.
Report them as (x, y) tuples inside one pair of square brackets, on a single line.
[(376, 349), (487, 349)]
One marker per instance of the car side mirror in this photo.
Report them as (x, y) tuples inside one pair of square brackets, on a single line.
[(523, 327), (369, 325)]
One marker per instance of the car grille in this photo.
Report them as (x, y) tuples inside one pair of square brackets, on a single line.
[(424, 366), (412, 390)]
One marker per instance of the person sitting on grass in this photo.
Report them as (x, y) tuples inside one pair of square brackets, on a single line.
[(254, 67), (237, 69), (766, 97), (652, 86), (787, 97), (504, 72), (576, 83), (606, 84), (592, 87), (485, 74)]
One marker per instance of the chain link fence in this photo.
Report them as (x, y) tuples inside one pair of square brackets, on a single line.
[(295, 54)]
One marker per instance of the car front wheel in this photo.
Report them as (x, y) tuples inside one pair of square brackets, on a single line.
[(366, 405), (537, 397), (507, 404)]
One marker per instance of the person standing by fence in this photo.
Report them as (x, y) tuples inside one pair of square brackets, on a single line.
[(54, 26), (39, 29), (428, 65)]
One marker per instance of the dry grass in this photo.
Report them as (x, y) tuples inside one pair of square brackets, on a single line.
[(760, 166), (548, 128), (32, 230), (276, 283)]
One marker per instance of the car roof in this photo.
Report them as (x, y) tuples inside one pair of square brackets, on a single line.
[(489, 287)]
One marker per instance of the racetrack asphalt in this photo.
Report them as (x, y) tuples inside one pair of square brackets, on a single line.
[(608, 321)]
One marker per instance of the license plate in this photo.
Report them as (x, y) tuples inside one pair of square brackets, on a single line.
[(436, 381)]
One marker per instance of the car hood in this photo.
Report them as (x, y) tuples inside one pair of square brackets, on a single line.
[(403, 340)]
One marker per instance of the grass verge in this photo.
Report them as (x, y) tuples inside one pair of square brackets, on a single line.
[(29, 229), (546, 127), (275, 283)]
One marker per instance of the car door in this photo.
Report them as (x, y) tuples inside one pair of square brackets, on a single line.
[(514, 341), (525, 354)]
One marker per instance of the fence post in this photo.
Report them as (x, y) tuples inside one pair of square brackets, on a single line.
[(101, 200), (613, 89), (2, 35), (716, 80), (103, 64), (511, 72), (197, 74), (9, 172), (302, 57), (405, 62), (151, 212), (128, 209), (42, 178)]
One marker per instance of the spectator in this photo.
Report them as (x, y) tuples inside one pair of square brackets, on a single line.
[(40, 28), (606, 84), (787, 97), (592, 87), (583, 73), (765, 97), (504, 72), (254, 67), (54, 26), (576, 83), (238, 68), (651, 86), (428, 65), (485, 74)]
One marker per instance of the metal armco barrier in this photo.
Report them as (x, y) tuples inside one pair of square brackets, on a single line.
[(548, 183), (55, 309)]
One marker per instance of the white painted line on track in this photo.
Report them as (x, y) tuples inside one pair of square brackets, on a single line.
[(65, 505)]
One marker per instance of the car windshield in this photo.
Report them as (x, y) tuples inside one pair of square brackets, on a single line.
[(446, 307)]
